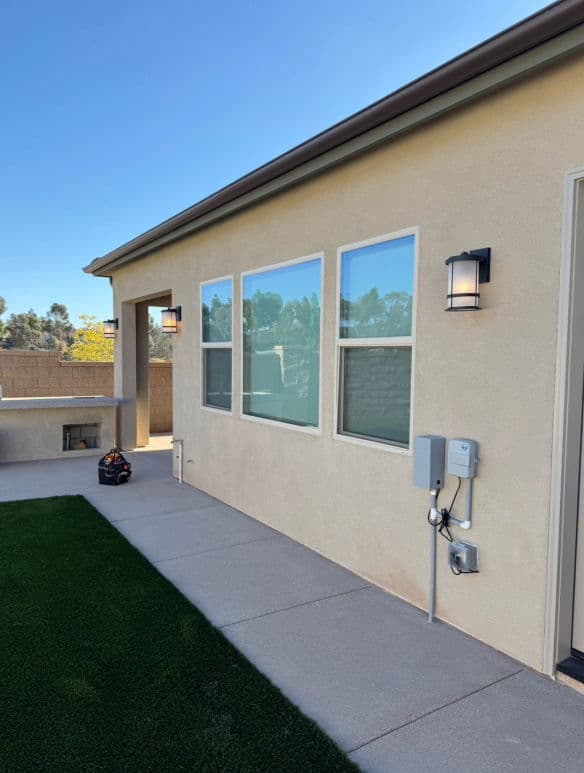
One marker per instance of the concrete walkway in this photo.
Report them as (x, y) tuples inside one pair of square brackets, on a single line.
[(396, 693)]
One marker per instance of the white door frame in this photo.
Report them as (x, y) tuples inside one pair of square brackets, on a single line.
[(565, 472)]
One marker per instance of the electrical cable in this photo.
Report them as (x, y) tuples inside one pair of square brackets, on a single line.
[(455, 495), (443, 528)]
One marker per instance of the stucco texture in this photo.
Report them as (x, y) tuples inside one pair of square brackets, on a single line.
[(490, 174)]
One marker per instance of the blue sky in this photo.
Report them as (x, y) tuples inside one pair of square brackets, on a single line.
[(386, 266), (298, 280), (116, 115)]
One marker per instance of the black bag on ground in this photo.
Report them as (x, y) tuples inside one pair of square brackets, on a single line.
[(113, 468)]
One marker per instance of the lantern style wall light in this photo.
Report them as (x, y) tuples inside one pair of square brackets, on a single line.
[(465, 272), (170, 319), (110, 327)]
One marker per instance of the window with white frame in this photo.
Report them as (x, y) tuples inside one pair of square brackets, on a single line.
[(216, 342), (281, 343), (375, 339)]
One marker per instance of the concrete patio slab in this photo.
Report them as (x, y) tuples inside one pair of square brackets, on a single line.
[(256, 578), (194, 531), (27, 480), (56, 477), (142, 497), (523, 724), (397, 693), (365, 663)]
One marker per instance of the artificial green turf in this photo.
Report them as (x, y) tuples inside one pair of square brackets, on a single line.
[(105, 666)]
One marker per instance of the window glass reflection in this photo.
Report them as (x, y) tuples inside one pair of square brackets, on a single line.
[(281, 343), (377, 289), (216, 300)]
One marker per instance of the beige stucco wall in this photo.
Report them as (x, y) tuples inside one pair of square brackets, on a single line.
[(488, 175), (44, 374), (33, 428)]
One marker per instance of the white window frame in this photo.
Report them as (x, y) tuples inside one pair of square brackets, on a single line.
[(215, 345), (315, 431), (408, 342)]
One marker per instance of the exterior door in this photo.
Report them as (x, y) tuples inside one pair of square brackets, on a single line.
[(578, 625)]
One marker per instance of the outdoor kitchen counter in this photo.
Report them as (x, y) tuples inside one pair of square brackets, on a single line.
[(55, 427), (37, 403)]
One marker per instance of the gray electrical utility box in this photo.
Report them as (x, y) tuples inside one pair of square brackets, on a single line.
[(463, 556), (463, 456), (429, 453)]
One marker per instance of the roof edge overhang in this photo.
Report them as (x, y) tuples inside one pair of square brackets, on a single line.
[(536, 42)]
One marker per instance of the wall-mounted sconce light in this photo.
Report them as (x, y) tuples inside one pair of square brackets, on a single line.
[(465, 272), (170, 319), (110, 327)]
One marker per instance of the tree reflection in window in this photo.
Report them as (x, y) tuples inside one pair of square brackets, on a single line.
[(281, 342), (377, 290), (216, 321), (216, 312), (375, 340)]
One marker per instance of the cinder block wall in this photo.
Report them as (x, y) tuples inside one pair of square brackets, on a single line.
[(160, 396), (43, 374)]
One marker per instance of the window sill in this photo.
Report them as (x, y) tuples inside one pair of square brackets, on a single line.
[(314, 431), (385, 447), (222, 411)]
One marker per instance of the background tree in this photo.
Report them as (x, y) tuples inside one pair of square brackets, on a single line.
[(29, 331), (58, 330), (24, 331), (89, 344), (2, 310), (160, 343)]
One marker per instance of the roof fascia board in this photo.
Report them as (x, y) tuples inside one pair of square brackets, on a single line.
[(497, 78)]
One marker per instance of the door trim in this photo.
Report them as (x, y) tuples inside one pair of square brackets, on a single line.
[(565, 457)]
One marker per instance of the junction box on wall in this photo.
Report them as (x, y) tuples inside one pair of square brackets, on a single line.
[(429, 462), (462, 458), (462, 462), (463, 557)]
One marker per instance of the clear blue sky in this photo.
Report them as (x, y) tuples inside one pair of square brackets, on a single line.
[(296, 281), (116, 115)]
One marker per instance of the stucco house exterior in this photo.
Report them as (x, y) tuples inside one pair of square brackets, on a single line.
[(314, 345)]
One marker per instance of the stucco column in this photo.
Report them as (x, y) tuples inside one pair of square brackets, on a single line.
[(125, 377), (142, 375)]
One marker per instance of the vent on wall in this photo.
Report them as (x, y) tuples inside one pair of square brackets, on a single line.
[(76, 437)]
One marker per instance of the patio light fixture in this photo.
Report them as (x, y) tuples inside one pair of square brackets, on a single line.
[(109, 327), (170, 319), (465, 272)]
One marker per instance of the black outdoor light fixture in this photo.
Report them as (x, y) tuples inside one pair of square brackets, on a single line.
[(170, 319), (465, 272), (109, 327)]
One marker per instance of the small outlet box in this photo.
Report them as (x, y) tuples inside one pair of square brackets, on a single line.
[(463, 556)]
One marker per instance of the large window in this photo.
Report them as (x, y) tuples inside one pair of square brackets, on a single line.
[(375, 340), (216, 344), (281, 343)]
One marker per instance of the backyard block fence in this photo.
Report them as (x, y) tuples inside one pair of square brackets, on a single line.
[(43, 374)]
